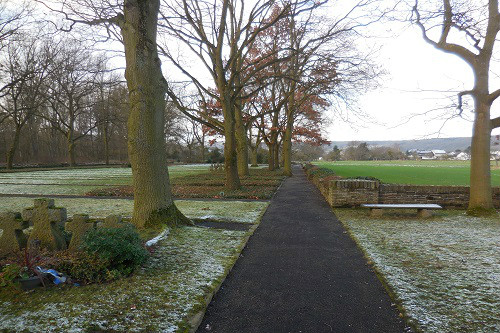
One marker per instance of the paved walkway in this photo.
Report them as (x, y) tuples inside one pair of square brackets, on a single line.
[(300, 272)]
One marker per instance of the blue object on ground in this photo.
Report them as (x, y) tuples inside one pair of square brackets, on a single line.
[(58, 277)]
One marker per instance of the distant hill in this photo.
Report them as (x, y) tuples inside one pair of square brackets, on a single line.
[(448, 144)]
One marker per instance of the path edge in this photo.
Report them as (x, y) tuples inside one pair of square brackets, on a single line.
[(195, 320), (393, 294)]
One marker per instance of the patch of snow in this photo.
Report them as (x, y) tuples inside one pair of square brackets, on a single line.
[(163, 235)]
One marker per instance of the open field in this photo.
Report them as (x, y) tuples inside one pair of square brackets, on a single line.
[(79, 181), (409, 172), (444, 271), (188, 181)]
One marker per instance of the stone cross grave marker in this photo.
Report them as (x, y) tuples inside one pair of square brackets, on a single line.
[(13, 238), (113, 221), (46, 219), (78, 227)]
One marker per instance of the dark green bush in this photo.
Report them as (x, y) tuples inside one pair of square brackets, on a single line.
[(84, 268), (121, 248)]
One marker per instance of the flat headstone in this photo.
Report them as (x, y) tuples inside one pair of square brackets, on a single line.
[(46, 219), (13, 238), (78, 227)]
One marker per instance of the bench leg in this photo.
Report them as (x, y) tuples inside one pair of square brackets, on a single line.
[(424, 213), (376, 212)]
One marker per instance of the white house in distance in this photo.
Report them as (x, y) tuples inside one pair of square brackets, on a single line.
[(431, 154), (438, 153), (463, 156)]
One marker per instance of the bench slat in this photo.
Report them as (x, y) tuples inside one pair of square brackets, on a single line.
[(403, 206)]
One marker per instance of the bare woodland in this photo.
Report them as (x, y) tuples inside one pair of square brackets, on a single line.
[(254, 76)]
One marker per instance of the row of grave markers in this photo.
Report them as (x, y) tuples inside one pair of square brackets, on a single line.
[(217, 167), (48, 224)]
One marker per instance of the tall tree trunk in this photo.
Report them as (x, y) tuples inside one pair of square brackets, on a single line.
[(106, 143), (71, 147), (271, 165), (287, 139), (277, 154), (480, 201), (253, 156), (230, 155), (290, 110), (202, 147), (241, 142), (287, 148), (153, 202), (480, 176), (13, 148)]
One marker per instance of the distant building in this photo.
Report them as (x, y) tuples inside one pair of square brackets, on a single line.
[(425, 154), (463, 157), (439, 154)]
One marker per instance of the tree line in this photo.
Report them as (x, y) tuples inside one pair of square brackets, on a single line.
[(254, 73), (270, 71)]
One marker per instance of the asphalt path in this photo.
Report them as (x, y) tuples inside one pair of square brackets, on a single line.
[(301, 272)]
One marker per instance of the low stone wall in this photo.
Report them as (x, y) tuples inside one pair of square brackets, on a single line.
[(354, 192)]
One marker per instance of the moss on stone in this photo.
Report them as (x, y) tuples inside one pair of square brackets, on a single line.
[(113, 221), (46, 218), (78, 227), (12, 238)]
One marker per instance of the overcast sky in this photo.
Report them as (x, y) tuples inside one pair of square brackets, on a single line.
[(420, 78)]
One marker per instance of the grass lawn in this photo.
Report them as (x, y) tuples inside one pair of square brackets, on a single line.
[(236, 211), (409, 172), (188, 181), (261, 184), (159, 298), (444, 271), (83, 178), (172, 286)]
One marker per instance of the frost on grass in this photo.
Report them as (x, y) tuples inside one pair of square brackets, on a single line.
[(237, 211), (78, 181), (445, 271), (158, 298), (79, 175), (65, 189)]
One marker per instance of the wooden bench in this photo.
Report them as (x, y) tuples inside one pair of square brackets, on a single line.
[(423, 210)]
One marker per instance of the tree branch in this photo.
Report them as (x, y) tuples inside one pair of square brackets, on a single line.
[(443, 44)]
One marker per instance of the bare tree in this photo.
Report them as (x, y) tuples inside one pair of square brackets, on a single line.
[(11, 20), (109, 108), (323, 64), (69, 92), (26, 67), (135, 23), (469, 30), (220, 35), (328, 64)]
